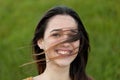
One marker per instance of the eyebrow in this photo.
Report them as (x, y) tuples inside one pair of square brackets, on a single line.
[(56, 30), (61, 29)]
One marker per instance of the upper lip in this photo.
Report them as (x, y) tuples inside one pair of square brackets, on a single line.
[(63, 49)]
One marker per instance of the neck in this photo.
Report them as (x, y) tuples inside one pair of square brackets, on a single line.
[(56, 72)]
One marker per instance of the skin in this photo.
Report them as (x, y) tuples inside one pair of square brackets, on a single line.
[(58, 69)]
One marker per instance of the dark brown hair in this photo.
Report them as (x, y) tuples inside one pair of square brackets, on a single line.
[(77, 67)]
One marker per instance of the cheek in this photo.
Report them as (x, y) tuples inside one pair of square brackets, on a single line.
[(48, 43), (49, 49), (76, 45)]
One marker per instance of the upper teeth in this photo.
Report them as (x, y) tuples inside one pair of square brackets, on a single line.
[(63, 52)]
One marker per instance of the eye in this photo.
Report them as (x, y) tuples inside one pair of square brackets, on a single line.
[(74, 31), (56, 35)]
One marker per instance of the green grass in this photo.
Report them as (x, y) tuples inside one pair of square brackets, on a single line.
[(18, 19)]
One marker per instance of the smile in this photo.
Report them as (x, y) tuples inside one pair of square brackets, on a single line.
[(64, 52)]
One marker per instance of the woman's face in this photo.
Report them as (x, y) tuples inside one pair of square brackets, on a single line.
[(59, 28)]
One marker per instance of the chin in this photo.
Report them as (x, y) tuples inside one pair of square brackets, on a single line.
[(62, 62)]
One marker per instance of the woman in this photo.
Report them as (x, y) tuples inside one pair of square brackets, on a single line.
[(61, 36)]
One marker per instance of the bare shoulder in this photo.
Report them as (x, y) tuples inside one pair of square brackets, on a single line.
[(38, 77), (29, 78), (33, 78)]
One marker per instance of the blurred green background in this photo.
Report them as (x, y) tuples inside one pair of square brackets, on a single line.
[(18, 19)]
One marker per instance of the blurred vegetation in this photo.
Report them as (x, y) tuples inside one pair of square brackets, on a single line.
[(18, 19)]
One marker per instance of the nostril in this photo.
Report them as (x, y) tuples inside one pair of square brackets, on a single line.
[(66, 44)]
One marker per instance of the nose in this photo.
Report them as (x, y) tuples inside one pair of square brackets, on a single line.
[(66, 45)]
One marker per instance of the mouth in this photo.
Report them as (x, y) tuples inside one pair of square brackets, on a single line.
[(63, 51)]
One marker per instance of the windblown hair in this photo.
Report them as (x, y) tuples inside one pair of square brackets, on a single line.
[(77, 67)]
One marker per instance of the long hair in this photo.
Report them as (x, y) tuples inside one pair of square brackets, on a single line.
[(77, 67)]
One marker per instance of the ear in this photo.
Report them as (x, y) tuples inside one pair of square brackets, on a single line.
[(40, 43)]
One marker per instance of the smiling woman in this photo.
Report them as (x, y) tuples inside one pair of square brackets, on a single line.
[(61, 46), (53, 32)]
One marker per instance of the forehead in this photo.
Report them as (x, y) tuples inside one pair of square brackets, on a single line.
[(61, 22)]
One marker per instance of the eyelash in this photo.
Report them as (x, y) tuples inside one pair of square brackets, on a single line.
[(56, 35)]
